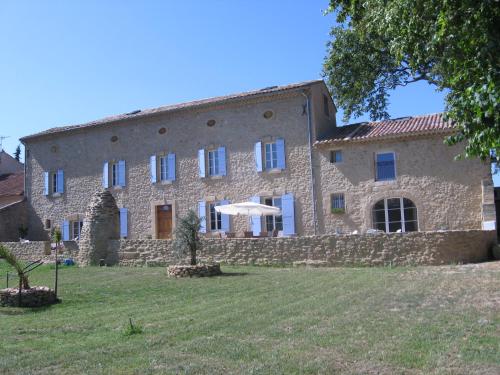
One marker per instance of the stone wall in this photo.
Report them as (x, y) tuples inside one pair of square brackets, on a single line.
[(101, 224), (34, 250), (11, 218), (417, 248)]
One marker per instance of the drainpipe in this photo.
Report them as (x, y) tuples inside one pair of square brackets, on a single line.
[(309, 141)]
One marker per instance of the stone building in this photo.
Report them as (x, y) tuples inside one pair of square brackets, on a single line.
[(11, 180), (279, 146)]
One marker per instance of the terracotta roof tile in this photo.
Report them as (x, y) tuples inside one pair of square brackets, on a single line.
[(12, 184), (393, 128)]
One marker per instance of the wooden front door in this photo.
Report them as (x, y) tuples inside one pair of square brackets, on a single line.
[(164, 221)]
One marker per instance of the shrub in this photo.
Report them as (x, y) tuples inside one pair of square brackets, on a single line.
[(12, 260), (187, 240)]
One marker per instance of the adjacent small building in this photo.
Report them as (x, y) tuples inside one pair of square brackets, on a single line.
[(11, 180), (279, 146)]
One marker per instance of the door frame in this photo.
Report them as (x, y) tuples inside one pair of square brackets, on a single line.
[(154, 204)]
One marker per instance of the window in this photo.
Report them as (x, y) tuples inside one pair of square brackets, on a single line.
[(53, 182), (213, 163), (215, 217), (163, 168), (271, 156), (326, 107), (335, 156), (274, 222), (338, 202), (114, 174), (395, 215), (76, 229), (385, 166)]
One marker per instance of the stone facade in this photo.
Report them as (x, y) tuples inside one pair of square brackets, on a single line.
[(238, 126), (12, 217), (448, 194)]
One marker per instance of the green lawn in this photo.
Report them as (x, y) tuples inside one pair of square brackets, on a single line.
[(424, 320)]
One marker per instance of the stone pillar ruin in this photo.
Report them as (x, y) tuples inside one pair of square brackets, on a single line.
[(101, 224)]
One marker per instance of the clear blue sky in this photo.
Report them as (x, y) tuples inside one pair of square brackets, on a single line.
[(68, 62)]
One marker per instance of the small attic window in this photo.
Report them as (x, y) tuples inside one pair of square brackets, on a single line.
[(210, 123), (268, 114), (53, 149), (162, 131), (114, 138), (326, 106)]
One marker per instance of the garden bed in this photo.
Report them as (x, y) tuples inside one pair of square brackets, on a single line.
[(201, 270), (37, 296)]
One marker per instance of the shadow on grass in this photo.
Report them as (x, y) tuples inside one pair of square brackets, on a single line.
[(234, 274), (23, 310)]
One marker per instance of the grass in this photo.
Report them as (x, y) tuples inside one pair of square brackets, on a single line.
[(416, 320)]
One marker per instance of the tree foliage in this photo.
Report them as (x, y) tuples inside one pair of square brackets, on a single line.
[(379, 45), (187, 240), (17, 153), (12, 260)]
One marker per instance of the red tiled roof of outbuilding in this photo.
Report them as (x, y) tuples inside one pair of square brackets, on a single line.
[(12, 184), (392, 128)]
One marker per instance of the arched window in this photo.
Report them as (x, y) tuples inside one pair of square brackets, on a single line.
[(395, 215)]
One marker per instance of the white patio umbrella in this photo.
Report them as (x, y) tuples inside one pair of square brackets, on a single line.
[(249, 209)]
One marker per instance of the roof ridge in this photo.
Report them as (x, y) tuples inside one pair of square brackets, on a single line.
[(268, 90)]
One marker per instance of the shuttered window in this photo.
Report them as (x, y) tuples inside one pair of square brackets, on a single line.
[(53, 182), (271, 156), (274, 222)]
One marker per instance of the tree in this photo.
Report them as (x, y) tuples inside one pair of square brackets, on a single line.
[(378, 45), (17, 153), (187, 240), (12, 260), (57, 238)]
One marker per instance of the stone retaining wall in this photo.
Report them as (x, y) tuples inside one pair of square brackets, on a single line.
[(34, 250), (417, 248)]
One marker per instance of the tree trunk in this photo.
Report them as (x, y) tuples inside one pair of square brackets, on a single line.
[(193, 257)]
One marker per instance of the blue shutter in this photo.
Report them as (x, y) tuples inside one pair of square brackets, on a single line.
[(280, 150), (123, 222), (171, 167), (105, 175), (258, 156), (288, 212), (201, 162), (121, 172), (202, 213), (60, 181), (222, 161), (256, 220), (65, 230), (152, 166), (225, 225), (45, 183)]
